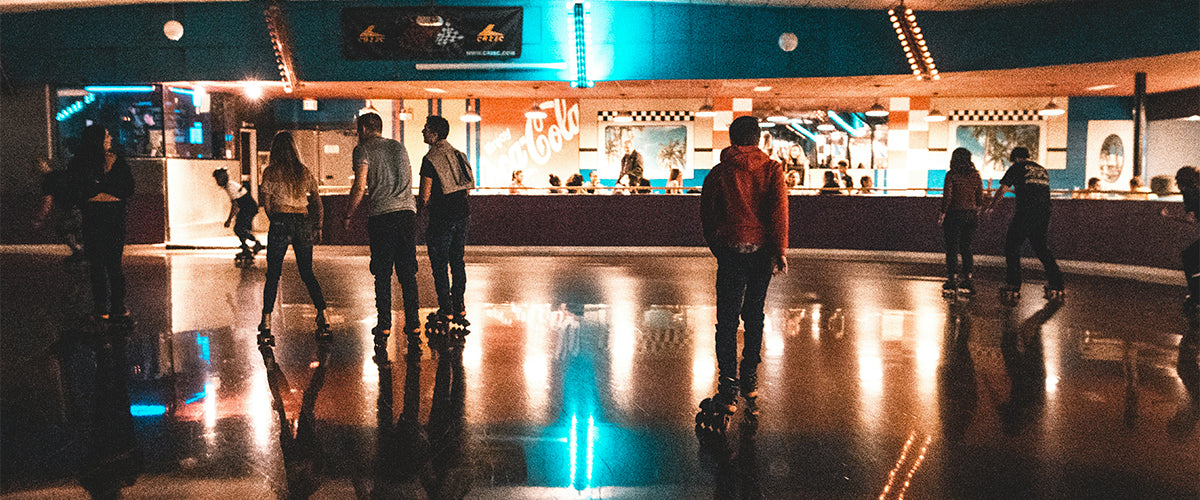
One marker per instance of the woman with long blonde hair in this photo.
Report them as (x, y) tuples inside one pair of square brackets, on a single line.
[(289, 196)]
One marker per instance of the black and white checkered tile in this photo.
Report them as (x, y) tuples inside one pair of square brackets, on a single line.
[(651, 116), (995, 115)]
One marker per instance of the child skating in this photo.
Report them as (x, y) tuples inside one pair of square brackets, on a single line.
[(244, 208)]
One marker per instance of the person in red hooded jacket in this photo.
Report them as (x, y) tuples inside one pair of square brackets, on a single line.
[(744, 211)]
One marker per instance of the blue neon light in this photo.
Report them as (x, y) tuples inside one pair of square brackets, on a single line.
[(573, 447), (852, 130), (147, 410), (196, 133), (75, 107), (205, 354), (197, 396), (119, 88), (188, 92), (591, 448), (580, 13), (803, 131)]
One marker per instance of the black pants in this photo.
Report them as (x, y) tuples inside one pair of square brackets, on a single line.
[(1191, 268), (247, 209), (293, 229), (958, 228), (742, 281), (103, 245), (1032, 227), (446, 240), (393, 245)]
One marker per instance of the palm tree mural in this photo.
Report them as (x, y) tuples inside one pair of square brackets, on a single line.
[(999, 140), (673, 155)]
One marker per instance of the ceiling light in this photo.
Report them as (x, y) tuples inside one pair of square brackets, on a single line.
[(1051, 109), (935, 116), (253, 91), (1193, 118), (405, 114), (762, 89), (910, 35), (470, 116), (826, 127), (877, 110), (766, 124), (435, 90), (623, 117), (1098, 88)]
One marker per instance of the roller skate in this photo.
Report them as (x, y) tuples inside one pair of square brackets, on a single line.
[(949, 288), (749, 388), (966, 286), (1010, 294), (265, 339), (1054, 294), (457, 324), (381, 342), (437, 327), (243, 259), (258, 247), (715, 412), (323, 333)]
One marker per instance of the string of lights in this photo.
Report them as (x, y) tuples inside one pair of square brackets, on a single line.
[(905, 23)]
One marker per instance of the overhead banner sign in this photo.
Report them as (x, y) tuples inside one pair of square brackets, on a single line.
[(425, 33)]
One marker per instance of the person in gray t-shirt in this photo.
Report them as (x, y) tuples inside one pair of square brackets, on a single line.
[(383, 174)]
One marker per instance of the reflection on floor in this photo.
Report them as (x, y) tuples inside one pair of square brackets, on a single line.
[(580, 378)]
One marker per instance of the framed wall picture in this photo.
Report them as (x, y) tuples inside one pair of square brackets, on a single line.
[(1110, 152), (991, 143), (662, 145)]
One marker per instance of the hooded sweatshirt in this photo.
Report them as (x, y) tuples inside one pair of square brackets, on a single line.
[(744, 203)]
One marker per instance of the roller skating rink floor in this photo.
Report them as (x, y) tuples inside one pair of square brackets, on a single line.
[(581, 375)]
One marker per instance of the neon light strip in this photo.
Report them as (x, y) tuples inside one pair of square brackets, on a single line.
[(846, 126), (118, 88), (591, 447), (204, 350), (147, 410), (489, 66), (804, 132), (580, 13), (573, 447)]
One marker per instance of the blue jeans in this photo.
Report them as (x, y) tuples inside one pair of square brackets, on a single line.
[(294, 230), (445, 240), (742, 280), (392, 238)]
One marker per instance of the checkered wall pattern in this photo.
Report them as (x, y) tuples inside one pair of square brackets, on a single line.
[(995, 115), (651, 116)]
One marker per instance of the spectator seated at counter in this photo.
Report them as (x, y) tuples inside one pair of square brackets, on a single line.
[(831, 186), (575, 183)]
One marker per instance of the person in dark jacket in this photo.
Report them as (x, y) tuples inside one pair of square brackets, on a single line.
[(962, 196), (744, 211), (1188, 180), (103, 184), (1031, 221)]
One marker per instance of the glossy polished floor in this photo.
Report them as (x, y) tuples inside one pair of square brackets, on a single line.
[(580, 379)]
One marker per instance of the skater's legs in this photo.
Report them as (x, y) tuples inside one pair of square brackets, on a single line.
[(458, 268), (382, 238), (758, 279), (951, 232), (1191, 268), (104, 238), (437, 241), (1037, 239), (731, 285), (406, 269), (1013, 240), (966, 235), (302, 245), (278, 238)]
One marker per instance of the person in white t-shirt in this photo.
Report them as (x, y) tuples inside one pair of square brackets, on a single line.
[(242, 206)]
